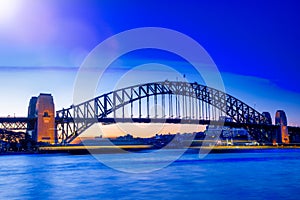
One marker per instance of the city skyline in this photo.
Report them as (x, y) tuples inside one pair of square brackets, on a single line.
[(254, 47)]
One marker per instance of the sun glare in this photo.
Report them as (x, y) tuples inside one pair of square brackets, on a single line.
[(8, 9)]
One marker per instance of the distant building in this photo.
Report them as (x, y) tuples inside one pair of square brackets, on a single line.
[(225, 119), (230, 135)]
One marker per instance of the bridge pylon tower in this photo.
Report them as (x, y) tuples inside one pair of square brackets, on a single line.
[(43, 128), (282, 136)]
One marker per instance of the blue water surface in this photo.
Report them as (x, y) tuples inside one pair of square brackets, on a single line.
[(261, 175)]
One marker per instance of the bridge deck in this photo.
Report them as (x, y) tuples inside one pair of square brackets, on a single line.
[(14, 119)]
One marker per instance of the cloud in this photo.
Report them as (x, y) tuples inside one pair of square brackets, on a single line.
[(36, 68)]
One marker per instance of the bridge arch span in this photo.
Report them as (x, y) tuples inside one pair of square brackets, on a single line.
[(180, 100)]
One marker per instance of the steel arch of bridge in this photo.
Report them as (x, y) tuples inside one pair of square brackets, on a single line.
[(180, 102)]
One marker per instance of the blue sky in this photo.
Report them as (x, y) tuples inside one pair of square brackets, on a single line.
[(255, 45)]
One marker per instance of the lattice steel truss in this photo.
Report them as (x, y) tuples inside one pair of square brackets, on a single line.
[(14, 123), (169, 101)]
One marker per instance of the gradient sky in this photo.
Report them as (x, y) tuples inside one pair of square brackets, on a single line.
[(255, 45)]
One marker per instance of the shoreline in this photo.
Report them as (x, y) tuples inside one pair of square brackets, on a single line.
[(81, 150)]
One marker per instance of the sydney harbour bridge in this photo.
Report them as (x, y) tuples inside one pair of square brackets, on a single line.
[(170, 102)]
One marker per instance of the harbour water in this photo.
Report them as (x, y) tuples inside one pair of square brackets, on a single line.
[(270, 174)]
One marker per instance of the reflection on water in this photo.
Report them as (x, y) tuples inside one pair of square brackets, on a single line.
[(269, 175)]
